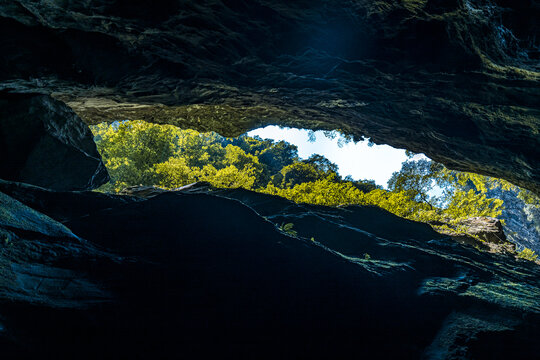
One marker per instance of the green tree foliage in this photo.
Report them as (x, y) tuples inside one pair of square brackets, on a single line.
[(312, 169), (130, 150), (296, 173), (136, 153), (275, 155), (174, 173), (450, 195), (319, 192), (527, 254), (230, 177), (363, 185), (471, 203), (139, 153), (418, 179)]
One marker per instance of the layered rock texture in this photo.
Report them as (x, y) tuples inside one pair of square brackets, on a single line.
[(200, 272), (43, 142), (455, 79), (522, 220)]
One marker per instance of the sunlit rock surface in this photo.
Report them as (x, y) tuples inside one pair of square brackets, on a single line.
[(200, 272), (487, 229), (522, 220), (43, 142), (455, 79)]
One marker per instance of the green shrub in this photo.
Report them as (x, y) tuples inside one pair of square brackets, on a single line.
[(288, 229), (527, 254)]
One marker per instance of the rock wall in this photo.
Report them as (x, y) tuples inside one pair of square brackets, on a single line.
[(522, 220), (43, 142), (200, 273), (455, 79)]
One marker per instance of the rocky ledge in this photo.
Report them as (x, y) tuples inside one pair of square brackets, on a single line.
[(455, 79), (43, 142), (204, 272)]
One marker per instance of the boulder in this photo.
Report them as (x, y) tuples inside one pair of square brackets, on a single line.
[(481, 232), (43, 142), (486, 228)]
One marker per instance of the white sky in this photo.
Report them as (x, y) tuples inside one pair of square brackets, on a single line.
[(359, 160)]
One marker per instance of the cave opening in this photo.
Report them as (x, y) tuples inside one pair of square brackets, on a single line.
[(326, 168)]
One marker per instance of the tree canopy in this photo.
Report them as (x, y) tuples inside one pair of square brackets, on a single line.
[(139, 153)]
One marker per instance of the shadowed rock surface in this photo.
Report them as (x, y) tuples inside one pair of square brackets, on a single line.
[(455, 79), (42, 263), (43, 142), (199, 273)]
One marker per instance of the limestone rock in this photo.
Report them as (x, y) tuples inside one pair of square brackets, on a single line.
[(147, 192), (522, 220), (69, 205), (144, 192), (486, 228), (16, 216), (33, 266), (481, 232), (200, 274), (43, 142), (456, 80)]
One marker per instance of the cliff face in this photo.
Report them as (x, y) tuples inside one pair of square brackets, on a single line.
[(43, 142), (199, 272), (455, 79), (522, 221)]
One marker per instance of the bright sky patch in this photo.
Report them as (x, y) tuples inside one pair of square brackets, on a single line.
[(360, 160)]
